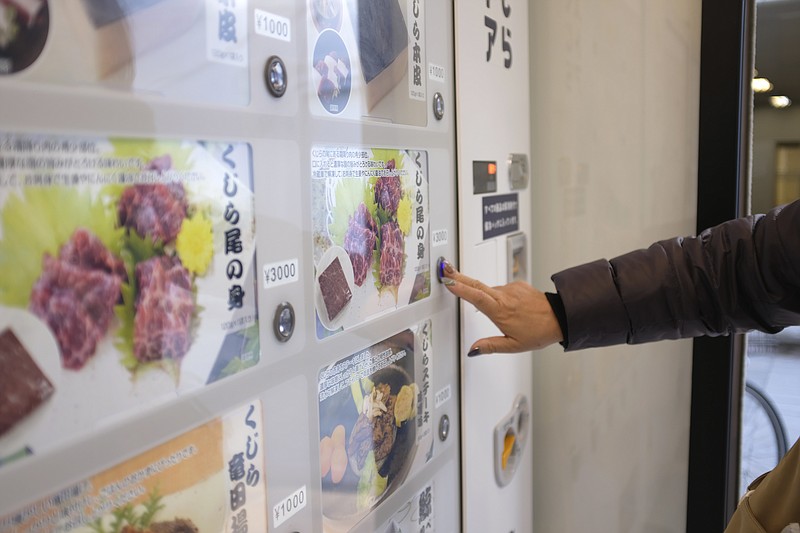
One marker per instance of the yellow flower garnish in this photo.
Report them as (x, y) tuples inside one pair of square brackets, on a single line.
[(195, 244), (404, 214)]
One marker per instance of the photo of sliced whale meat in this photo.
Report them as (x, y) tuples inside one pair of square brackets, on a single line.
[(23, 386), (75, 295), (392, 252), (335, 292), (164, 308), (388, 190), (154, 210), (359, 242)]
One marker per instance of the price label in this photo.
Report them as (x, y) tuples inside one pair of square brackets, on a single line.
[(435, 72), (274, 26), (287, 508), (439, 238), (281, 273), (442, 396)]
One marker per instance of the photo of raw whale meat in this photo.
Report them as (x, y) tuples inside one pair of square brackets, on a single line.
[(388, 190), (154, 210), (359, 242), (23, 385), (392, 253), (164, 308), (76, 294)]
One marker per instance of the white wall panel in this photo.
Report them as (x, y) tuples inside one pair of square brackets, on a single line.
[(614, 103)]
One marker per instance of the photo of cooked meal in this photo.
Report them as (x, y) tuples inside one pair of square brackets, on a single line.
[(24, 26), (23, 385), (369, 425), (331, 72)]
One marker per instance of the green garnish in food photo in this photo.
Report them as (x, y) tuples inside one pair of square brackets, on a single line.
[(38, 221)]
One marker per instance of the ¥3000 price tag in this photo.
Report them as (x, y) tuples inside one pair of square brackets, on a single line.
[(281, 273), (289, 506)]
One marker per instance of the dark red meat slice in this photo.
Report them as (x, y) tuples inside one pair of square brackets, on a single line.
[(335, 292), (164, 308), (359, 243), (75, 295), (388, 190), (86, 251), (392, 253), (23, 386), (153, 210)]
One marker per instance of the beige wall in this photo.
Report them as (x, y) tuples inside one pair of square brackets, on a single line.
[(614, 103)]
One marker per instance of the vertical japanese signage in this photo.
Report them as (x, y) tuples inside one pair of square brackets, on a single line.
[(209, 479), (415, 516), (226, 31), (126, 273), (496, 21), (416, 67), (243, 443), (375, 426), (370, 233)]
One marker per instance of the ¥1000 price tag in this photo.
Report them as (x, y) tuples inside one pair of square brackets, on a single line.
[(270, 25), (281, 273), (289, 506)]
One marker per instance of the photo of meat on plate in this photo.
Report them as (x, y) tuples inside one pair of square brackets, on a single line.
[(24, 387), (334, 287), (380, 442)]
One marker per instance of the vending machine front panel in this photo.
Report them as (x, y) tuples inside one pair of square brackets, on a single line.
[(217, 237)]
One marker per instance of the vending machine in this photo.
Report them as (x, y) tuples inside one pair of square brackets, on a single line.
[(220, 222), (494, 203)]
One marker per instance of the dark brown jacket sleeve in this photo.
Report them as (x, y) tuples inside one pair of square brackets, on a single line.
[(740, 275)]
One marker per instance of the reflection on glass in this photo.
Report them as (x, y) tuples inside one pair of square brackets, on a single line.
[(770, 403)]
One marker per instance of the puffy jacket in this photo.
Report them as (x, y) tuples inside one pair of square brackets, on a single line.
[(741, 275)]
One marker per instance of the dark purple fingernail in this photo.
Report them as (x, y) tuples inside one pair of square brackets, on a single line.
[(473, 352)]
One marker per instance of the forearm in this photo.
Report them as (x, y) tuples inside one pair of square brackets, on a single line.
[(737, 276)]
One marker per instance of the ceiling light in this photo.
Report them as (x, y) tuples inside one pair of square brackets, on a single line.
[(779, 102), (762, 85)]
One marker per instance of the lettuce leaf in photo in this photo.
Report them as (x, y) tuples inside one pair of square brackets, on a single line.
[(38, 221)]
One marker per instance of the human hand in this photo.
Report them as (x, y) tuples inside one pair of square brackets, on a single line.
[(522, 313)]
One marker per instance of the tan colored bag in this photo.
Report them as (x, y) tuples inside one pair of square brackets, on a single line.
[(774, 501)]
